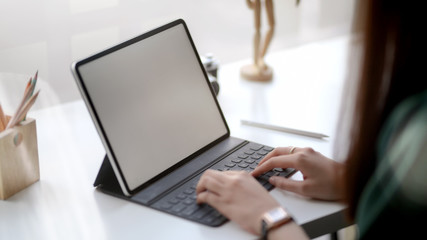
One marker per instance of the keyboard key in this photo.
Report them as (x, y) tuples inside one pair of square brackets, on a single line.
[(203, 211), (268, 149), (250, 152), (230, 164), (219, 220), (242, 156), (263, 179), (250, 161), (173, 201), (267, 186), (262, 153), (243, 165), (166, 205), (178, 208), (256, 147), (189, 191), (190, 210), (236, 160), (188, 201), (214, 218), (181, 196), (209, 219), (216, 214)]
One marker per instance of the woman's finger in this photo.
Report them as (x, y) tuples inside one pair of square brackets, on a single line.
[(284, 161), (287, 184), (208, 197), (276, 152), (211, 180)]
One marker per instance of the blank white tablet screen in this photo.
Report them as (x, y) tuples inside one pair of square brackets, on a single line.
[(153, 103)]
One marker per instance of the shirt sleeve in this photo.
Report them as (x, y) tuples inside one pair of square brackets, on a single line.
[(398, 186)]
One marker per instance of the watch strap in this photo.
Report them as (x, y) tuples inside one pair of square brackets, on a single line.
[(264, 230), (269, 222)]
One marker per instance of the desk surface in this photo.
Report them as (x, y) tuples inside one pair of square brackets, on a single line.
[(305, 94)]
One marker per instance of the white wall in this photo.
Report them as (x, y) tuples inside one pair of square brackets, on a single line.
[(49, 34)]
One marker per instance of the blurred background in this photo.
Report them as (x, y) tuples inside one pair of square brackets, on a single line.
[(48, 35)]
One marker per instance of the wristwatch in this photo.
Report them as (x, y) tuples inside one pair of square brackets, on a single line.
[(272, 219)]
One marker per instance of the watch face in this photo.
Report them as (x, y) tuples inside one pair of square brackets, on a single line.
[(277, 214), (276, 217)]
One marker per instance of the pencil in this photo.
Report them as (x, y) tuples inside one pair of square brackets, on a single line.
[(28, 85), (23, 112), (284, 129), (32, 83), (27, 95)]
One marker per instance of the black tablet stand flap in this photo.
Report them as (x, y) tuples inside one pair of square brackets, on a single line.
[(106, 179)]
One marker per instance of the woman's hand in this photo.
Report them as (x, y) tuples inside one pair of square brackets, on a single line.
[(237, 195), (322, 176)]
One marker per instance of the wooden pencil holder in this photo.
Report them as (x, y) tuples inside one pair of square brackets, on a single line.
[(19, 161)]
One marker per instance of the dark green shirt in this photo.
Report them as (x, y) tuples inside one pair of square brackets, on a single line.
[(394, 201)]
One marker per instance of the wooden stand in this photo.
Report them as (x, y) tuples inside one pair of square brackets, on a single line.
[(19, 161), (253, 73)]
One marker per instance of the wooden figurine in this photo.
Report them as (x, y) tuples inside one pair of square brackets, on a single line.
[(259, 70)]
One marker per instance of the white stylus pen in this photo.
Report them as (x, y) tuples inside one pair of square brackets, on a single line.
[(284, 129)]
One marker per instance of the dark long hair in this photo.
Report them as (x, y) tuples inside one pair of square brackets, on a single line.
[(393, 67)]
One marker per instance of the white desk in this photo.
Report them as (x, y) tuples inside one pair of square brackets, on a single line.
[(63, 204)]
